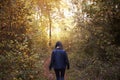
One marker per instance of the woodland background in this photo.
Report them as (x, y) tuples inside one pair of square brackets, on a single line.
[(89, 30)]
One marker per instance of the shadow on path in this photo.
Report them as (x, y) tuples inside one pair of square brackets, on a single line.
[(48, 74)]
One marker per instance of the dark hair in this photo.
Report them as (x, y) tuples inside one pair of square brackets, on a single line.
[(58, 43)]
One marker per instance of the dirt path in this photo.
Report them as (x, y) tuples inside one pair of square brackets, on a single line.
[(48, 74)]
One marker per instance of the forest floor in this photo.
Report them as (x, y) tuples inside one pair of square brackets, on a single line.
[(48, 74)]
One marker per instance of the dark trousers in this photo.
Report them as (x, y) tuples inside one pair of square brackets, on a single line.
[(59, 74)]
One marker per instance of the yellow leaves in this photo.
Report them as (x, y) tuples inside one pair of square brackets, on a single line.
[(29, 30), (11, 41), (31, 76), (15, 78)]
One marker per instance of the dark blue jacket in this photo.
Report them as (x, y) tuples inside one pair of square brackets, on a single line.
[(59, 59)]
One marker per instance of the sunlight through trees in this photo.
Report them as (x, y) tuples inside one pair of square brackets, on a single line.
[(88, 29)]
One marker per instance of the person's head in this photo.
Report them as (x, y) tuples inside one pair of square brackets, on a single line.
[(59, 45)]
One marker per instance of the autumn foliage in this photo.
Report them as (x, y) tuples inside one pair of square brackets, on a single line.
[(89, 30)]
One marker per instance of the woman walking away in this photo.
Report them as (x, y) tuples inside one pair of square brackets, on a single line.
[(59, 61)]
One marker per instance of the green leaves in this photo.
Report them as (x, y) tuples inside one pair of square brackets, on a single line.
[(99, 21)]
